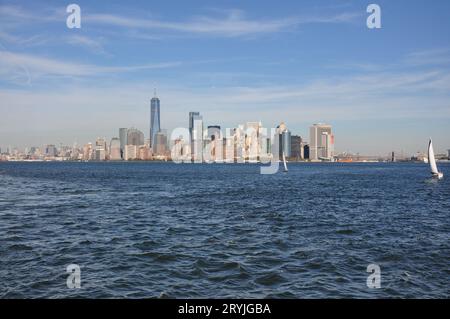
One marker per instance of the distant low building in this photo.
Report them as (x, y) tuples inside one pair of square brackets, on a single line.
[(160, 144), (131, 152), (50, 150), (306, 151), (144, 153), (87, 152)]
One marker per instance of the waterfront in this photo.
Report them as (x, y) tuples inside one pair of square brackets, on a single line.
[(187, 231)]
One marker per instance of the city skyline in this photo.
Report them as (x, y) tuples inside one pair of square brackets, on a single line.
[(382, 90), (319, 145)]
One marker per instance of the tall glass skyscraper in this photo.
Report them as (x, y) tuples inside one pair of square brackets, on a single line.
[(155, 125), (286, 143), (196, 126)]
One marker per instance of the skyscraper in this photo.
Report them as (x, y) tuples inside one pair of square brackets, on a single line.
[(306, 151), (155, 125), (283, 141), (123, 136), (161, 143), (321, 142), (296, 147), (215, 143), (135, 137), (192, 117), (196, 135), (286, 143), (100, 149), (214, 132), (114, 149), (252, 140)]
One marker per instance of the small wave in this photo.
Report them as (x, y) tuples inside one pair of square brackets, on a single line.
[(270, 279), (20, 247), (158, 256), (345, 231)]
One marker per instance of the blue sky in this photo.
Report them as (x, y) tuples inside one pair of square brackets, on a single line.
[(300, 62)]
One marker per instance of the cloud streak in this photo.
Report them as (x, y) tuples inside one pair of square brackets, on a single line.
[(92, 45), (41, 66), (233, 24)]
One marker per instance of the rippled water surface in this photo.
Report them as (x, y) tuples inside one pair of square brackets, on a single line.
[(142, 230)]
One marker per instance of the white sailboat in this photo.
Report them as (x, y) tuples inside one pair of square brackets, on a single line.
[(434, 170), (284, 163)]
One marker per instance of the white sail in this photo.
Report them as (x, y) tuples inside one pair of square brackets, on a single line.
[(284, 162), (431, 159)]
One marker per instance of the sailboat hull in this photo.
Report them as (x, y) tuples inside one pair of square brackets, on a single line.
[(438, 175)]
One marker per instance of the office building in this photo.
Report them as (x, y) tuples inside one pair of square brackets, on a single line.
[(282, 141), (155, 124), (214, 143), (135, 137), (100, 149), (196, 136), (306, 151), (50, 150), (321, 142), (131, 152), (286, 143), (214, 132), (144, 152), (88, 152), (296, 147), (123, 136), (161, 144), (252, 149), (115, 149)]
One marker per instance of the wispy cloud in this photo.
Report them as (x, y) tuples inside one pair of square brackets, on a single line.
[(429, 57), (221, 23), (233, 23), (34, 40), (93, 45), (42, 66), (12, 15)]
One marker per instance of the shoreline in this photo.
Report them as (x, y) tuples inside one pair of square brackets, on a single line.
[(221, 163)]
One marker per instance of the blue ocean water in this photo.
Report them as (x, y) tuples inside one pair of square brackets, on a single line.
[(142, 230)]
